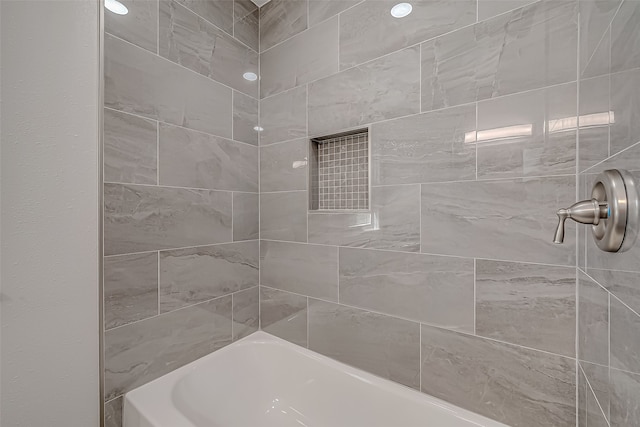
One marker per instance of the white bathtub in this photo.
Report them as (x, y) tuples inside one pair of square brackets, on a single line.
[(263, 381)]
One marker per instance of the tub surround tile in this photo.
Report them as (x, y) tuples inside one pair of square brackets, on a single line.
[(246, 214), (382, 345), (487, 377), (245, 23), (190, 276), (320, 10), (283, 216), (130, 148), (217, 12), (281, 19), (594, 140), (189, 40), (527, 304), (625, 104), (622, 284), (582, 400), (595, 417), (428, 147), (197, 160), (246, 312), (595, 17), (284, 315), (136, 81), (113, 412), (284, 116), (516, 216), (598, 377), (431, 289), (502, 55), (139, 26), (385, 88), (302, 59), (625, 337), (245, 118), (625, 406), (593, 321), (490, 8), (368, 31), (130, 288), (304, 269), (283, 167), (625, 39), (142, 218), (143, 351), (600, 61)]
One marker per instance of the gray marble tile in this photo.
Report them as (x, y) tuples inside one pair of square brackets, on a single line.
[(218, 12), (502, 55), (625, 406), (130, 149), (190, 276), (284, 116), (516, 216), (304, 269), (595, 417), (246, 27), (625, 37), (600, 62), (130, 288), (593, 321), (192, 42), (113, 413), (595, 17), (141, 218), (136, 81), (284, 315), (283, 166), (283, 216), (598, 378), (527, 304), (625, 104), (143, 351), (379, 344), (425, 288), (197, 160), (625, 337), (429, 147), (368, 31), (320, 10), (514, 385), (594, 105), (139, 26), (246, 312), (246, 215), (386, 88), (392, 223), (623, 284), (281, 19), (245, 118), (582, 400), (527, 134), (490, 8), (302, 59)]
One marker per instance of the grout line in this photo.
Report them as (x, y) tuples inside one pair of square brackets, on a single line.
[(609, 292), (420, 355), (232, 315), (475, 296), (308, 322), (179, 188), (179, 248), (158, 284), (593, 393)]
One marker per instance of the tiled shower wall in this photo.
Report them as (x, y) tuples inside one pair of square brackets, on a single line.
[(181, 186), (609, 284), (451, 283)]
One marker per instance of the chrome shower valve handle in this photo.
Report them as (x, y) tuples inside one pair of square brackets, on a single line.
[(584, 212)]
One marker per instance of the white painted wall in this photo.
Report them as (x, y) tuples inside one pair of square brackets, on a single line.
[(49, 213)]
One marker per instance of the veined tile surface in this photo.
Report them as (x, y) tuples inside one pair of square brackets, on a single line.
[(284, 116), (281, 19), (283, 216), (139, 26), (246, 312), (283, 167), (246, 214), (284, 315), (218, 12)]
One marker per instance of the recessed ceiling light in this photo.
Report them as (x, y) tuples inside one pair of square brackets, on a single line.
[(258, 128), (116, 7), (252, 77), (401, 10)]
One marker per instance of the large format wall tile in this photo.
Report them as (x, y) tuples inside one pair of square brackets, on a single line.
[(301, 59), (593, 321), (598, 379), (218, 12), (512, 384), (625, 406), (246, 312), (139, 82), (190, 276), (304, 269), (283, 216), (130, 288), (189, 40), (320, 10), (527, 304), (368, 31), (622, 284), (594, 140), (426, 288), (246, 216), (386, 88), (197, 160), (284, 116), (143, 351), (490, 8), (284, 315), (528, 134), (625, 104), (393, 223), (245, 23), (281, 19), (428, 147), (502, 55), (141, 218), (130, 148), (283, 167), (139, 26), (625, 337), (245, 118), (113, 413), (382, 345), (595, 17), (625, 37), (508, 219)]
